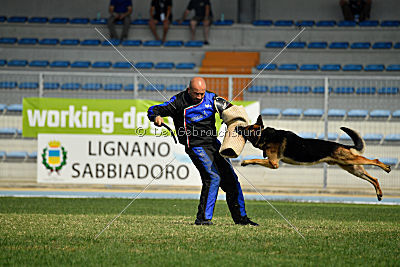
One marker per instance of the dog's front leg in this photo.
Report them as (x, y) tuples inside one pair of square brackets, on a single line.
[(263, 162)]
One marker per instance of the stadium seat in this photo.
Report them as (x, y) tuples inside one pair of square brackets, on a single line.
[(152, 43), (347, 23), (270, 112), (360, 45), (101, 64), (293, 113), (392, 139), (155, 87), (140, 22), (90, 42), (331, 67), (32, 157), (265, 66), (17, 156), (183, 23), (3, 19), (286, 67), (297, 45), (300, 90), (59, 20), (396, 45), (113, 87), (59, 64), (194, 44), (318, 45), (352, 67), (79, 21), (305, 23), (344, 90), (382, 45), (69, 42), (114, 42), (129, 87), (390, 23), (131, 42), (311, 67), (389, 161), (173, 43), (71, 86), (226, 22), (92, 86), (176, 87), (17, 63), (357, 114), (313, 113), (3, 62), (393, 67), (326, 23), (28, 41), (369, 23), (39, 63), (279, 89), (379, 114), (337, 113), (2, 155), (372, 138), (80, 64), (396, 115), (28, 85), (38, 20), (144, 65), (185, 66), (14, 108), (339, 45), (17, 19), (3, 108), (164, 65), (388, 91), (8, 40), (257, 89), (374, 67), (275, 44), (331, 136), (262, 22), (51, 86), (122, 65), (307, 135), (49, 41), (366, 91), (8, 85), (8, 132)]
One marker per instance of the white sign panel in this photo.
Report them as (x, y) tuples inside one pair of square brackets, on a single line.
[(114, 159)]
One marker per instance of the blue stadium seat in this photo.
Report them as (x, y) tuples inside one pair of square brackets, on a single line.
[(79, 21), (331, 67), (173, 43), (2, 155), (152, 43), (28, 85), (16, 155), (305, 23), (3, 107), (318, 45), (297, 45), (185, 66), (300, 90), (396, 114), (331, 136), (396, 45), (312, 67), (92, 86), (265, 66), (3, 62), (369, 23), (114, 42), (275, 44), (226, 22), (382, 45), (71, 86), (80, 64), (90, 42), (49, 41), (393, 67), (307, 135), (352, 67), (17, 19), (379, 114), (390, 23), (8, 132), (32, 155), (292, 112), (313, 113), (372, 138), (347, 23), (59, 64), (388, 91), (17, 63), (257, 89), (38, 20), (357, 114), (155, 87), (28, 41), (8, 40), (339, 45), (144, 65), (272, 112), (262, 22), (176, 87), (3, 19), (184, 23), (101, 64), (194, 44), (140, 22), (129, 87), (360, 45), (392, 139), (326, 23), (14, 108), (51, 85), (279, 89), (283, 23), (288, 67), (344, 90), (366, 90), (374, 67), (59, 20), (389, 161), (321, 90), (8, 85), (113, 87), (69, 42), (131, 42), (337, 113), (122, 65), (248, 157), (164, 65)]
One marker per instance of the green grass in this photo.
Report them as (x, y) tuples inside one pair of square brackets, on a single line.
[(44, 231)]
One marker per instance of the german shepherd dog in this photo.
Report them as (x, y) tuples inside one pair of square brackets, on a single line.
[(292, 149)]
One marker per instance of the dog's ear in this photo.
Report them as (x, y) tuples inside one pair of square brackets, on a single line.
[(260, 121)]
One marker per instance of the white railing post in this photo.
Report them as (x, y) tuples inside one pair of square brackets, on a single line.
[(41, 85), (230, 88), (326, 103)]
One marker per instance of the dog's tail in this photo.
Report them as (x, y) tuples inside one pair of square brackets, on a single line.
[(359, 143)]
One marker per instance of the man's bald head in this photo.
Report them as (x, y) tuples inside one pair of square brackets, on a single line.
[(197, 89)]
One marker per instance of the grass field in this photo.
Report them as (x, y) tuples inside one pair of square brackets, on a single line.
[(45, 231)]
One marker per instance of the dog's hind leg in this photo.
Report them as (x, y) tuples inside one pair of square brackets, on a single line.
[(360, 172), (263, 162), (347, 158)]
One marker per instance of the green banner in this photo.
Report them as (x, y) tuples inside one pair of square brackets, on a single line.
[(90, 116)]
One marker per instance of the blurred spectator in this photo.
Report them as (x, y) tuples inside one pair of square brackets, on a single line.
[(202, 9), (161, 10), (356, 10), (120, 10)]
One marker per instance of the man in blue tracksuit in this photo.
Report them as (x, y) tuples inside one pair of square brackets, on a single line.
[(193, 112)]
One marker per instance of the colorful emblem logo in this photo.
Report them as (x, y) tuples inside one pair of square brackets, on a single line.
[(54, 156)]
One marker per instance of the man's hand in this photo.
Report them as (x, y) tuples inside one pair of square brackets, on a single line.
[(158, 120)]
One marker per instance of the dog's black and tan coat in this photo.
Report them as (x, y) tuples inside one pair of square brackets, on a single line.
[(292, 149)]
